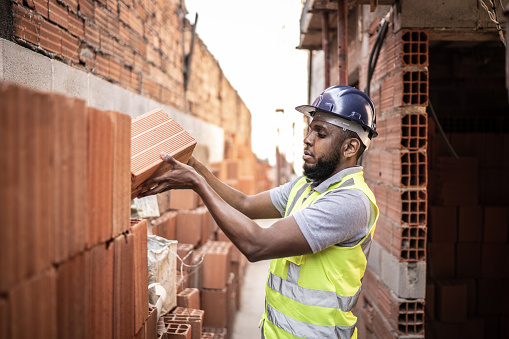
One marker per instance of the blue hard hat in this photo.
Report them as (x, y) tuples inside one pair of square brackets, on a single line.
[(346, 102)]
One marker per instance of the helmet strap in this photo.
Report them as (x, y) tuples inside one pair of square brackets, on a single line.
[(344, 124)]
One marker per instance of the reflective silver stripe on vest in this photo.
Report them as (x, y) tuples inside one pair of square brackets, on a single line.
[(349, 182), (306, 330), (293, 273), (311, 297), (296, 197), (366, 246)]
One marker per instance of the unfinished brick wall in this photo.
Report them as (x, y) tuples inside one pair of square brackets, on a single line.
[(139, 45), (70, 267), (396, 169)]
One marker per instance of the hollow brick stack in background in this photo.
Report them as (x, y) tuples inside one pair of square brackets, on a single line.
[(73, 263), (392, 301), (209, 282), (468, 243)]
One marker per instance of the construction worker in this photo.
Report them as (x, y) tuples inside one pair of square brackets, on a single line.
[(319, 247)]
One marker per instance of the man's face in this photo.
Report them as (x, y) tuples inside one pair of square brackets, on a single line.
[(322, 151)]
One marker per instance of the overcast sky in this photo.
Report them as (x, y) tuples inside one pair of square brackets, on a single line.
[(255, 45)]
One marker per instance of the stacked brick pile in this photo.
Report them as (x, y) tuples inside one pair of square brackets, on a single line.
[(468, 243), (243, 171), (209, 280), (73, 263), (391, 304)]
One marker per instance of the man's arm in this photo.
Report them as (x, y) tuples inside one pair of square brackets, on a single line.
[(284, 238)]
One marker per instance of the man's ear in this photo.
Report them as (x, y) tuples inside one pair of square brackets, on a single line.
[(352, 146)]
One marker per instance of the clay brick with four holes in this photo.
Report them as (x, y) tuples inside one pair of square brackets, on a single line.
[(189, 298), (216, 265), (177, 331), (183, 199), (189, 226), (164, 226), (153, 133)]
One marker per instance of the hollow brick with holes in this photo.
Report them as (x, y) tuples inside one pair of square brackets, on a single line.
[(189, 298), (152, 133), (177, 331)]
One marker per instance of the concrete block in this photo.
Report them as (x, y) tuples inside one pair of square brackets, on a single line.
[(123, 100), (69, 81), (101, 93), (140, 105), (375, 257), (406, 279), (25, 67)]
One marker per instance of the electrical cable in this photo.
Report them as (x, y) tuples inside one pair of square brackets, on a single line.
[(441, 131)]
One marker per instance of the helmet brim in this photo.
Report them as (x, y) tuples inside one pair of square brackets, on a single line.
[(308, 110)]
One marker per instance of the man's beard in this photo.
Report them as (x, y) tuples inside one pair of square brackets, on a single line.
[(323, 168)]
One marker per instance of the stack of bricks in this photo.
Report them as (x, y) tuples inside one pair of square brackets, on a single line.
[(211, 272), (73, 263), (469, 244), (139, 45), (395, 168)]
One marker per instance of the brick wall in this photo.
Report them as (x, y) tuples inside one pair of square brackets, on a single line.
[(139, 45), (396, 169)]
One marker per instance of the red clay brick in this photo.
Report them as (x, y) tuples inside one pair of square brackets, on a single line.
[(41, 7), (442, 260), (470, 226), (151, 324), (124, 281), (100, 161), (121, 174), (4, 319), (490, 293), (468, 260), (35, 306), (92, 35), (189, 298), (101, 16), (76, 26), (178, 331), (101, 291), (50, 37), (216, 267), (123, 13), (103, 65), (164, 226), (451, 301), (188, 227), (443, 224), (496, 224), (86, 8), (70, 47), (493, 260), (215, 305), (183, 199), (472, 328), (139, 230), (115, 69), (73, 4), (26, 25), (72, 298), (58, 13), (156, 128)]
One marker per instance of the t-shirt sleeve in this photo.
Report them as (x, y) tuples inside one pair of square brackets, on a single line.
[(279, 195), (340, 217)]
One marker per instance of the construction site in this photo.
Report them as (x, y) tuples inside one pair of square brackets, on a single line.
[(93, 91)]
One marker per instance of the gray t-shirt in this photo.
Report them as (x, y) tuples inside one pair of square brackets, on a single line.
[(340, 217)]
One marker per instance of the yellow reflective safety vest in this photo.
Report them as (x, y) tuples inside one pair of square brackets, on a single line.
[(312, 295)]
